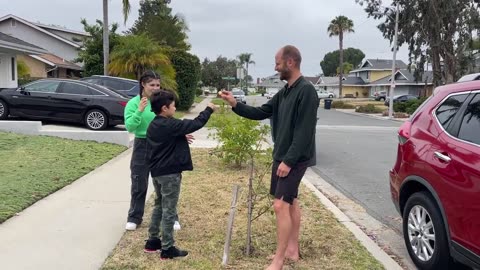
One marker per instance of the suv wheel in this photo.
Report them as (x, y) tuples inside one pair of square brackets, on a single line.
[(424, 233), (96, 119), (3, 110)]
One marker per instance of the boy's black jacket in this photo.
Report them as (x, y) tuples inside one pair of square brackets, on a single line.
[(167, 148)]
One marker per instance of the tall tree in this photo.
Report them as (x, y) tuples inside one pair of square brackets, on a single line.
[(156, 20), (439, 30), (136, 54), (245, 60), (338, 27), (331, 60), (106, 41), (91, 53), (213, 72)]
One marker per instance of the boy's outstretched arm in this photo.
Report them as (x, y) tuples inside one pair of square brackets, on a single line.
[(187, 126)]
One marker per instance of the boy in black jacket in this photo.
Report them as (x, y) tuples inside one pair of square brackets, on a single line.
[(169, 155)]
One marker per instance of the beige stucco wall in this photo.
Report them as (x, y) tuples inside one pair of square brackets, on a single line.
[(353, 89), (376, 75), (37, 68)]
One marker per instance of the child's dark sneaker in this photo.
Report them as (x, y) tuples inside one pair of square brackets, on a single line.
[(172, 253), (153, 245)]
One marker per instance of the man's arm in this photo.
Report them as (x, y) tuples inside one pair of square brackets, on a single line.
[(304, 128), (255, 113)]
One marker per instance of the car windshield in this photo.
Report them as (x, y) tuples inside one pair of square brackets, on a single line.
[(238, 93)]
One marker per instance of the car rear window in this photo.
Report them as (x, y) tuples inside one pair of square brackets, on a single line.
[(470, 128), (448, 109)]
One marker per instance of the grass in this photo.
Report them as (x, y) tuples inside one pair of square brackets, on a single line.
[(203, 210), (179, 114), (199, 99), (218, 101), (36, 166)]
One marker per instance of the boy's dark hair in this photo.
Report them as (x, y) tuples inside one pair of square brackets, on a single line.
[(160, 99), (146, 77)]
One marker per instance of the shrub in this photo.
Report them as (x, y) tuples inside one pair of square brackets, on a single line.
[(369, 108), (342, 105), (187, 67)]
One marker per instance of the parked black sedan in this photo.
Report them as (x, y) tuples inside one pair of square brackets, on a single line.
[(125, 86), (65, 100), (400, 98)]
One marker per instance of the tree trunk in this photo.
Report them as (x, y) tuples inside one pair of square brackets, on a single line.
[(106, 43), (340, 81), (248, 250)]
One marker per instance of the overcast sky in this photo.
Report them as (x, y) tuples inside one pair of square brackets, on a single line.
[(231, 27)]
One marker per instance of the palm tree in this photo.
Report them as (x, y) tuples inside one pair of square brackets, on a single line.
[(337, 27), (137, 53), (106, 43), (245, 59)]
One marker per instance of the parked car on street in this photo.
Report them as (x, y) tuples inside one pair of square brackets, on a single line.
[(65, 100), (325, 94), (239, 95), (380, 96), (126, 86), (435, 181), (271, 92), (400, 98)]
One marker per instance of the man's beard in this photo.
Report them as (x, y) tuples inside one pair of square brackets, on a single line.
[(285, 74)]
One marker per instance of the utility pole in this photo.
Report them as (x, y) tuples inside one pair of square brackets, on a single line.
[(395, 48)]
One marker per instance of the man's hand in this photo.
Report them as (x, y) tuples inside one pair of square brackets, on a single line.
[(283, 170), (143, 104), (190, 138), (228, 97)]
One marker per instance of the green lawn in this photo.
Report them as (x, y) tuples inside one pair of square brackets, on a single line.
[(179, 114), (36, 166), (218, 101), (199, 99)]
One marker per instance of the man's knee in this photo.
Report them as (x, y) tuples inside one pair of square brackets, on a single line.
[(279, 205)]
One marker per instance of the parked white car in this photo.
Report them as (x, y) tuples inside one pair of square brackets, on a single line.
[(271, 93), (325, 94), (239, 95)]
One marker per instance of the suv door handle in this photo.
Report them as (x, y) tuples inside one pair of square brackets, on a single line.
[(442, 157), (85, 99)]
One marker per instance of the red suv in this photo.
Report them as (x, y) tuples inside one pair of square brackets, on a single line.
[(435, 182)]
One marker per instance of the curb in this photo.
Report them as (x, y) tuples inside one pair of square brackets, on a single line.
[(371, 116), (368, 243)]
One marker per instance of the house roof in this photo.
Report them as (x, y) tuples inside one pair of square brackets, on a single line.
[(314, 80), (58, 28), (405, 77), (353, 81), (329, 80), (34, 26), (271, 81), (53, 60), (380, 64), (12, 43)]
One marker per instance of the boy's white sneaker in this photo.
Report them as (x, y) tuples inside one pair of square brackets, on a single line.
[(177, 226), (130, 226)]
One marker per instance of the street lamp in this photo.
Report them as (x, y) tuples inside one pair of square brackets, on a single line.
[(395, 49)]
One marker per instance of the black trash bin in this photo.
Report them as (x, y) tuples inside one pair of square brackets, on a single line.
[(327, 103)]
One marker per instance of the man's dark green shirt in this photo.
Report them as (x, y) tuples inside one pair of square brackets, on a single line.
[(293, 111)]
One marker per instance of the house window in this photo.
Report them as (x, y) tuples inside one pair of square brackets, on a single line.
[(13, 69), (368, 75), (14, 23)]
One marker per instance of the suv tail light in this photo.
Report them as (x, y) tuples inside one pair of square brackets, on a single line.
[(404, 132), (123, 103)]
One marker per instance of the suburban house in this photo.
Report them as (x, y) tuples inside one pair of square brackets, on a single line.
[(61, 45), (374, 75), (10, 47), (271, 83)]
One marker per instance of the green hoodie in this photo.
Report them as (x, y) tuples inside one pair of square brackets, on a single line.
[(135, 121)]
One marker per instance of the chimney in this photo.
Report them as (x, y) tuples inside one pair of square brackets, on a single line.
[(258, 80)]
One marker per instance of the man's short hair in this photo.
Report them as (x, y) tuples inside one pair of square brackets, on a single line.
[(291, 52), (160, 99)]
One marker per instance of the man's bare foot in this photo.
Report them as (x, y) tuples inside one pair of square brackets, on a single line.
[(291, 257), (275, 265)]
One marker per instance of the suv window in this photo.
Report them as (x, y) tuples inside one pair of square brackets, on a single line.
[(43, 87), (119, 85), (447, 110), (73, 88), (470, 128)]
